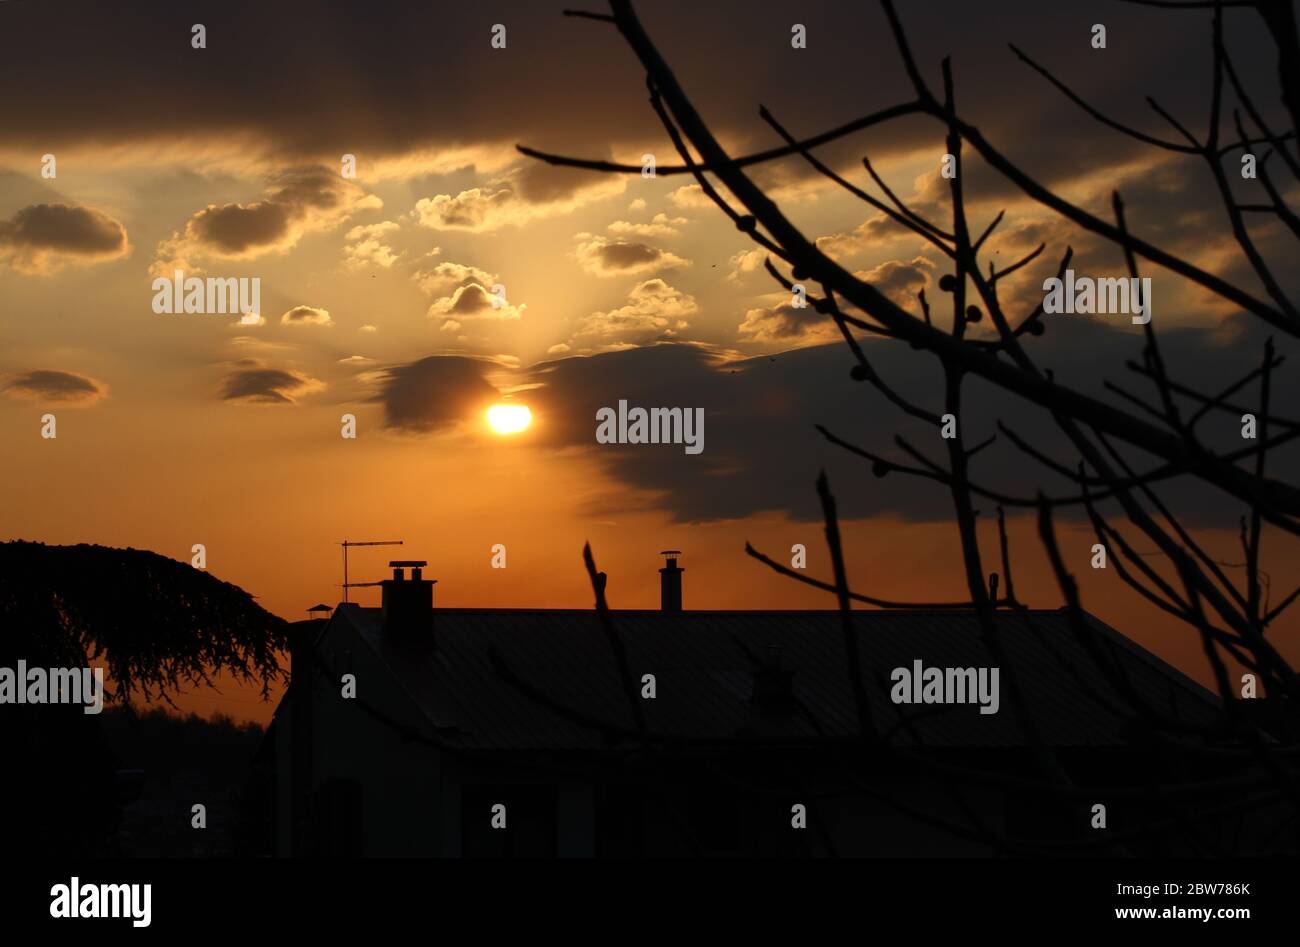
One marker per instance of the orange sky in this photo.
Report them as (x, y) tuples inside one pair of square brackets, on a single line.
[(178, 429)]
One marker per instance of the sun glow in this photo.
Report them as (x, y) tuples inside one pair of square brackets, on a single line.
[(509, 418)]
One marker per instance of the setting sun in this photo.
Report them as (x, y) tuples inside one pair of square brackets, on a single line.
[(509, 418)]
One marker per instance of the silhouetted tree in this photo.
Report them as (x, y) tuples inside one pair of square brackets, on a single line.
[(156, 624), (1120, 490)]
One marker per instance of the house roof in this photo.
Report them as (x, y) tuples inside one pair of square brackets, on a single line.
[(520, 679)]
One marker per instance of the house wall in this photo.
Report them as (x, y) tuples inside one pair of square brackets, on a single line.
[(550, 806), (282, 807), (376, 793)]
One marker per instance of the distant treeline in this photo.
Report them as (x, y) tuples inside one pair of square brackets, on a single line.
[(157, 739)]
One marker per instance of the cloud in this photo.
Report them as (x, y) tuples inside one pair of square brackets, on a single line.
[(233, 230), (900, 280), (531, 192), (464, 294), (306, 102), (654, 310), (872, 234), (784, 323), (661, 225), (54, 386), (297, 201), (690, 196), (39, 237), (601, 256), (446, 276), (435, 393), (251, 381), (473, 302), (762, 452), (261, 345), (929, 199), (366, 246), (746, 262), (474, 209), (306, 316)]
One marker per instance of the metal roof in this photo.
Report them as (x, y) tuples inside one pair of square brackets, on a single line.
[(501, 679)]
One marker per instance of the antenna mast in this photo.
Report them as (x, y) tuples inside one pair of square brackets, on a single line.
[(347, 544)]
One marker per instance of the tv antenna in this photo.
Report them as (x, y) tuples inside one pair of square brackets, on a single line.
[(347, 544)]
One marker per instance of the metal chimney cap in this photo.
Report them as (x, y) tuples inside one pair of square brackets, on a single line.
[(412, 563), (670, 552)]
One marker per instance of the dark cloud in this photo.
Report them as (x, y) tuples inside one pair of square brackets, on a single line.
[(42, 234), (54, 386), (602, 256), (787, 323), (622, 255), (252, 382), (414, 76), (236, 228), (541, 183), (435, 392), (297, 200), (762, 453), (1170, 201), (470, 300), (526, 193)]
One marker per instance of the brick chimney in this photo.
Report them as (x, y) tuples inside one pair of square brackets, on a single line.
[(408, 603), (670, 582)]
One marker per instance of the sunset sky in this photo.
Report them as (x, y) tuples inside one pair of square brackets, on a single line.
[(176, 429)]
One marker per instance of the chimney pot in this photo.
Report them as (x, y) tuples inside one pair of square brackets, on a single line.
[(670, 582), (407, 608)]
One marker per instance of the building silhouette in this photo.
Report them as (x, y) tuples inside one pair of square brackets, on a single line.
[(526, 732)]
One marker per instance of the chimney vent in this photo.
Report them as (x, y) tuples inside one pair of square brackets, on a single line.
[(408, 603), (670, 582)]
